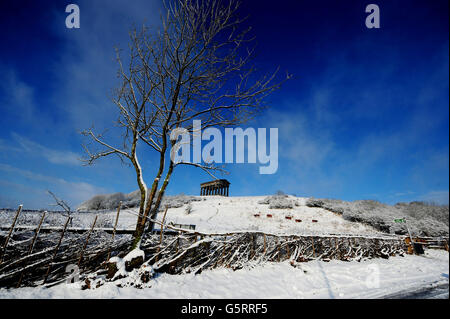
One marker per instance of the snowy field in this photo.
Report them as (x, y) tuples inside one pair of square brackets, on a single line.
[(215, 214), (316, 279), (218, 214), (222, 214)]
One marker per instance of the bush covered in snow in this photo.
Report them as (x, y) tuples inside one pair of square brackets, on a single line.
[(279, 200), (281, 203), (101, 202), (188, 209), (423, 219), (178, 200), (111, 201)]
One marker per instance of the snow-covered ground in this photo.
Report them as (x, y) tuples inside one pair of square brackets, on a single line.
[(216, 214), (213, 214), (317, 279), (219, 214)]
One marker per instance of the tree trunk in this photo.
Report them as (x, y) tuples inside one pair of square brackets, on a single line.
[(155, 208)]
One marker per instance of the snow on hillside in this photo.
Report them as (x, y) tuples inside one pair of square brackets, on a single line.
[(226, 214), (218, 214), (316, 279), (424, 219)]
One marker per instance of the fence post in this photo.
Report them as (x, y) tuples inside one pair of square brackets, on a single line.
[(114, 230), (219, 261), (252, 247), (288, 252), (161, 233), (87, 240), (30, 250), (178, 242), (338, 253), (265, 244), (10, 232), (56, 249), (278, 249)]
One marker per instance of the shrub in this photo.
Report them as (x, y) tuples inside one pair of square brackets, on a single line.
[(424, 219), (111, 201), (188, 209), (280, 201)]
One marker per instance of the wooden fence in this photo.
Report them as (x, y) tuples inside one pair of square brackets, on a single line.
[(194, 252), (30, 256)]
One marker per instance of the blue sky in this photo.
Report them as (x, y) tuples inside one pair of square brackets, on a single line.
[(366, 115)]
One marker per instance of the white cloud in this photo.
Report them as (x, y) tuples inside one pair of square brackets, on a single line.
[(87, 70), (64, 157), (73, 192), (17, 97), (300, 140)]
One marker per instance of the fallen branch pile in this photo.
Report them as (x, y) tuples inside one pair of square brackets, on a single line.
[(30, 258), (45, 263), (194, 252)]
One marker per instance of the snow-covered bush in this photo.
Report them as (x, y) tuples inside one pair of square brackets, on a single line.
[(421, 210), (53, 219), (188, 209), (423, 219), (104, 221), (279, 200), (132, 199), (177, 201), (101, 202), (111, 201), (264, 201), (280, 203), (312, 202)]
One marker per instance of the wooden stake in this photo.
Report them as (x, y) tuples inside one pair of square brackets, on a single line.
[(162, 226), (114, 230), (351, 247), (30, 250), (265, 245), (161, 232), (278, 250), (10, 232), (252, 247), (87, 240), (178, 243), (219, 262), (288, 252), (314, 252), (56, 249), (337, 247)]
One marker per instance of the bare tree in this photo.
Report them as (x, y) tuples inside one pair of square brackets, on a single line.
[(196, 67), (63, 204)]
